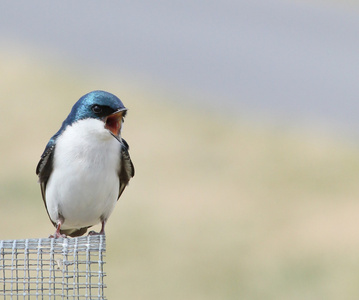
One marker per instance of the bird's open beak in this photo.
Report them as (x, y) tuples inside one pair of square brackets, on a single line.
[(113, 122)]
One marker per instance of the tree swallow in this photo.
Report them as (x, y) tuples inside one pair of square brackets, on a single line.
[(86, 165)]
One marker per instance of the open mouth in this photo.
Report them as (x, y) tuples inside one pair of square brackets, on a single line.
[(114, 121)]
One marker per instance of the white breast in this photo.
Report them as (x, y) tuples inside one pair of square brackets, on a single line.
[(84, 184)]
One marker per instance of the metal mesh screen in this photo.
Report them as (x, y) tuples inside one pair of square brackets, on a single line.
[(70, 268)]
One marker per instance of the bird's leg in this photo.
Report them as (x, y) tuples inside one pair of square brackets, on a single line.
[(102, 231), (103, 227), (57, 233)]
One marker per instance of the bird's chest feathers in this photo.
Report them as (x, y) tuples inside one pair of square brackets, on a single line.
[(84, 184), (87, 147)]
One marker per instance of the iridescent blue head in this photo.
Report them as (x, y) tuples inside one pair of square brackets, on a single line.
[(97, 105)]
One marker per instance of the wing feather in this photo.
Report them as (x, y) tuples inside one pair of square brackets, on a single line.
[(127, 169), (44, 170)]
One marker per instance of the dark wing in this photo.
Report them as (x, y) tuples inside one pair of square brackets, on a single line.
[(127, 170), (44, 169)]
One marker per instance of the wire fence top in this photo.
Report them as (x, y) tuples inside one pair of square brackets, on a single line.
[(64, 268)]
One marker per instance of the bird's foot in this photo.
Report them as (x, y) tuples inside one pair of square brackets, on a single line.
[(57, 235), (92, 232), (102, 232)]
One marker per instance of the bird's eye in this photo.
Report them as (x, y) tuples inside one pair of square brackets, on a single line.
[(96, 109)]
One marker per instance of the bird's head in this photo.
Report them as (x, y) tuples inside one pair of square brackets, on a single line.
[(100, 105)]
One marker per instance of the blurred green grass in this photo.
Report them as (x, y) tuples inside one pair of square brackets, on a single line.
[(219, 208)]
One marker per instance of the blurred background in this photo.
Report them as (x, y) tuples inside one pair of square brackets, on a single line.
[(243, 130)]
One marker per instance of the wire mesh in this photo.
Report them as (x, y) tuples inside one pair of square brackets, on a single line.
[(64, 268)]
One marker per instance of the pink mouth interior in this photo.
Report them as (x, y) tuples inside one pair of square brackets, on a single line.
[(113, 123)]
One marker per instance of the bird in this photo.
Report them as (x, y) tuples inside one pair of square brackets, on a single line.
[(86, 165)]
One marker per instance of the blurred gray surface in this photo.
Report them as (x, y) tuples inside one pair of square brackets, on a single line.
[(289, 60)]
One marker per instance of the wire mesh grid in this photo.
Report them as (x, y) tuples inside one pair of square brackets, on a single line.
[(64, 268)]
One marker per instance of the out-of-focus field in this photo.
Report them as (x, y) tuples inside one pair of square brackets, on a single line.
[(218, 209)]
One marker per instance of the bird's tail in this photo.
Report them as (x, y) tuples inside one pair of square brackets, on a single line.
[(74, 232)]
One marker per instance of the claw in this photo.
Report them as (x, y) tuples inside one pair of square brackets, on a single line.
[(57, 233), (102, 232), (56, 236), (92, 232)]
